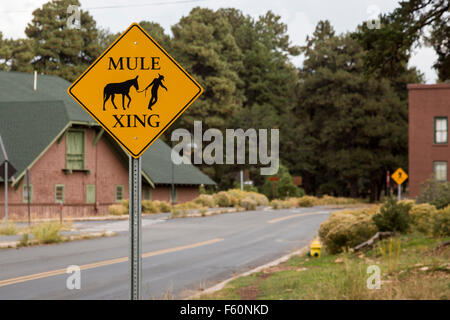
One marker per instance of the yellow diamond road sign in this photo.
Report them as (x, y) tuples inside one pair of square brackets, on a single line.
[(135, 90), (399, 176)]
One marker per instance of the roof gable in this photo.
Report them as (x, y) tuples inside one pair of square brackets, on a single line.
[(30, 121)]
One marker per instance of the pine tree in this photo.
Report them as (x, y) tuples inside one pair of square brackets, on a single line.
[(57, 49)]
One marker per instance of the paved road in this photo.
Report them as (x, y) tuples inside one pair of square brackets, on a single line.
[(179, 255)]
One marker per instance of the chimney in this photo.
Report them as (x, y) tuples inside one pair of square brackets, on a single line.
[(35, 80)]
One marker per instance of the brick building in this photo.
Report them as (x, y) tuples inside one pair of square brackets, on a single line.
[(70, 158), (429, 152)]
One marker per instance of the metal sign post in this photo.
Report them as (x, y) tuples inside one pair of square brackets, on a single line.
[(399, 177), (146, 117), (135, 187)]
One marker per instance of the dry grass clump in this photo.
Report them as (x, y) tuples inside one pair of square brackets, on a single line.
[(48, 232)]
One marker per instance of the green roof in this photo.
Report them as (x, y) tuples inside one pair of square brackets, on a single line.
[(31, 120)]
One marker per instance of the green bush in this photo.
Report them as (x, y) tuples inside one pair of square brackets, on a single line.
[(47, 232), (248, 204), (347, 228), (393, 216), (435, 192), (117, 210), (282, 188), (441, 226), (206, 200), (422, 218)]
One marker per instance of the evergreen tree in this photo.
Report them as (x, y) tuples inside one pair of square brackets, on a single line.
[(354, 124), (57, 49)]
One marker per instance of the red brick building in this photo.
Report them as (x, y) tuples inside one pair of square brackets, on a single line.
[(429, 152), (70, 158)]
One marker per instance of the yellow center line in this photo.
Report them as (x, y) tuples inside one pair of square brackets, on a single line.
[(292, 216), (56, 272)]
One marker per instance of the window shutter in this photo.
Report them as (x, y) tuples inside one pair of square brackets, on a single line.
[(75, 150), (90, 193)]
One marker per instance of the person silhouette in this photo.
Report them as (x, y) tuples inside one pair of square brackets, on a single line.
[(156, 83)]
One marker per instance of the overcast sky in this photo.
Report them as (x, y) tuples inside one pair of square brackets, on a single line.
[(300, 15)]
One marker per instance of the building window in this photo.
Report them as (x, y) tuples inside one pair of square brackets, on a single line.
[(440, 170), (440, 130), (75, 150), (146, 193), (119, 193), (59, 193), (26, 194), (90, 193)]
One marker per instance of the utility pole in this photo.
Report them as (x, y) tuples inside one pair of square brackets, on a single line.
[(173, 184), (6, 177), (28, 197)]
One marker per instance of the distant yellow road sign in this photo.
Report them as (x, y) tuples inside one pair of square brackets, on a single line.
[(399, 176), (135, 90)]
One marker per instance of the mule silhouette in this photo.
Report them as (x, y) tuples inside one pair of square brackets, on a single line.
[(122, 88)]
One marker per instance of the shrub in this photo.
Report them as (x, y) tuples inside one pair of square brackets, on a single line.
[(330, 200), (307, 201), (259, 198), (149, 206), (422, 217), (47, 232), (393, 216), (441, 225), (347, 229), (223, 199), (8, 229), (164, 206), (206, 200), (278, 204), (435, 192), (117, 209), (125, 203), (283, 188), (248, 203)]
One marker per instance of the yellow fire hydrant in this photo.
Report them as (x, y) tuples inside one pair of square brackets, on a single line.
[(315, 249)]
